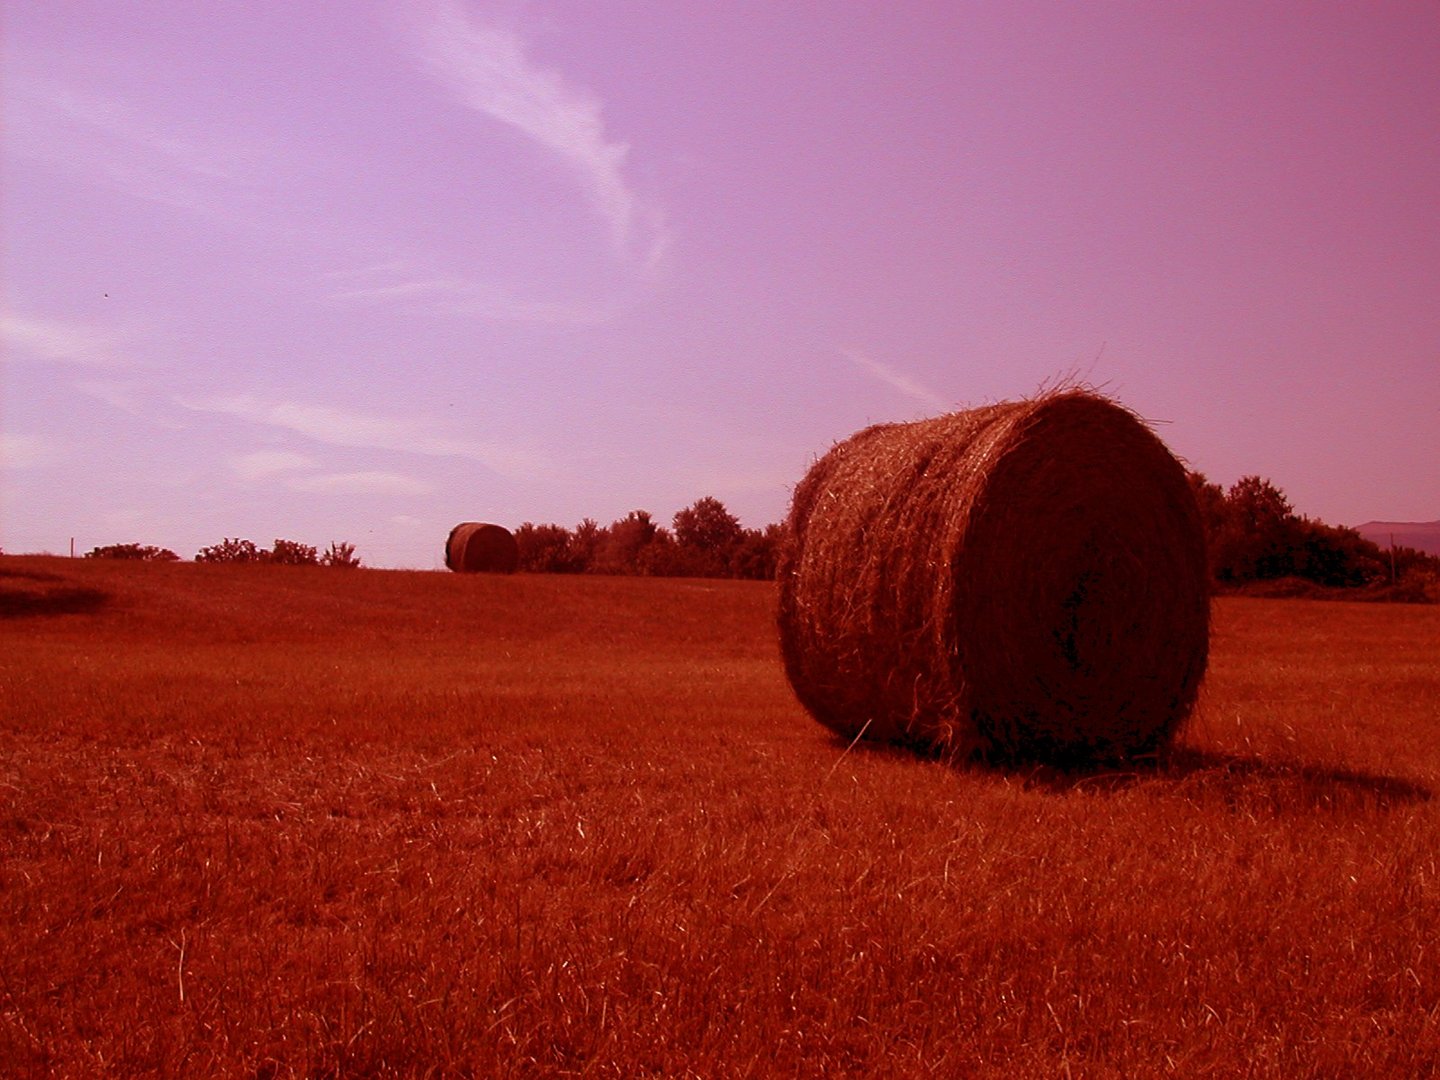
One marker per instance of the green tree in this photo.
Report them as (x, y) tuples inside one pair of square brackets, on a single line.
[(585, 541), (707, 535), (1336, 557), (1209, 498), (662, 557), (1259, 534), (544, 549), (619, 550), (759, 551)]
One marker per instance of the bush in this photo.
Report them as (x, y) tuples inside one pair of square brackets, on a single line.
[(231, 551), (757, 554), (143, 553), (544, 549), (1335, 556), (289, 553), (618, 551), (284, 553), (341, 556)]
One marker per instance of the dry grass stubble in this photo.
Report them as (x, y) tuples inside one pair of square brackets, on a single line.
[(597, 836)]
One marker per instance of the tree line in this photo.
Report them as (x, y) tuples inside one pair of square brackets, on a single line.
[(283, 553), (703, 540), (1252, 533)]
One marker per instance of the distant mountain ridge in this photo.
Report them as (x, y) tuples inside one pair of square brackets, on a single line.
[(1420, 535)]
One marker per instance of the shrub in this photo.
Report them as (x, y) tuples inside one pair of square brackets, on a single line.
[(544, 549), (756, 555), (231, 551), (143, 553), (341, 556), (619, 549), (290, 553)]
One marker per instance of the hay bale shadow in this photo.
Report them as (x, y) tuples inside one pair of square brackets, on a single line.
[(28, 593), (1290, 784), (1247, 784)]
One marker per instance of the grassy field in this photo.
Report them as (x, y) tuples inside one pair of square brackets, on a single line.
[(272, 822)]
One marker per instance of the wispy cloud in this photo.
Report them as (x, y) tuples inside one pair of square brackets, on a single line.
[(488, 69), (63, 342), (179, 162), (28, 451), (473, 299), (372, 482), (299, 472), (897, 380), (118, 395), (263, 464), (345, 427)]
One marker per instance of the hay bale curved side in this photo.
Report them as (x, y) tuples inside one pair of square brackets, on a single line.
[(1025, 580), (475, 547)]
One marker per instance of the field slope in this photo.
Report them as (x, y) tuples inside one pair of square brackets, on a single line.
[(272, 822)]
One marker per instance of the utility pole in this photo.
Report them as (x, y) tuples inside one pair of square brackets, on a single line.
[(1392, 558)]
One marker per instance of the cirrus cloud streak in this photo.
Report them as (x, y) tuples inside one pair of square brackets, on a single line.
[(59, 341), (473, 299), (364, 482), (359, 430), (18, 451), (183, 162), (487, 69), (897, 380)]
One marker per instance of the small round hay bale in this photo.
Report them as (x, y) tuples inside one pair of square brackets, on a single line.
[(1022, 581), (474, 547)]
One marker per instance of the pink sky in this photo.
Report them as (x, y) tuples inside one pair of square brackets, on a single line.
[(359, 272)]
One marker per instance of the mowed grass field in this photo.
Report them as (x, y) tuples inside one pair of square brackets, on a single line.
[(274, 822)]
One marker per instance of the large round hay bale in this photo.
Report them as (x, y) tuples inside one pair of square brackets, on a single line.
[(475, 548), (1023, 581)]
